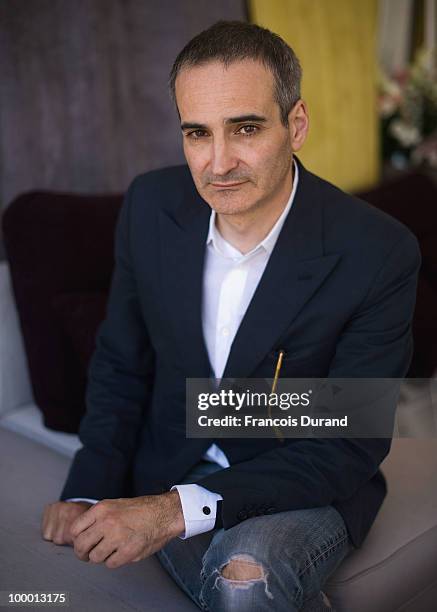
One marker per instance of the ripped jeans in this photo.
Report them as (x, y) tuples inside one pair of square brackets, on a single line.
[(292, 554)]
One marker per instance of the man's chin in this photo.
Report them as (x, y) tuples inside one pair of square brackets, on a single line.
[(227, 202), (228, 207)]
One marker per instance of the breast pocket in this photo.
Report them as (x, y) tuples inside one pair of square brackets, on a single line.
[(308, 362)]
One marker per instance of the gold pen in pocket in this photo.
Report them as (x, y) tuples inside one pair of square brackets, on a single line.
[(277, 370), (274, 385)]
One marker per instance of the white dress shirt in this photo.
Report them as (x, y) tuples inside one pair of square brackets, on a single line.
[(229, 282)]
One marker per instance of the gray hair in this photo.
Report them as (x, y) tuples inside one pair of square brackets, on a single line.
[(230, 41)]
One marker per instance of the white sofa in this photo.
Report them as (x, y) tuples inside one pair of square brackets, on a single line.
[(395, 570), (18, 411)]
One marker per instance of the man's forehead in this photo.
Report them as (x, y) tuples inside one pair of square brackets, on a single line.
[(241, 88)]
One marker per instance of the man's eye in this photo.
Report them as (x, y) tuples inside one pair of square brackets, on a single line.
[(196, 134), (248, 130)]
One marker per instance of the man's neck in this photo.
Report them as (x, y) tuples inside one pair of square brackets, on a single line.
[(244, 231)]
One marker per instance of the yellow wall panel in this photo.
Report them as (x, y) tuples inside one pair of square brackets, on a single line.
[(335, 41)]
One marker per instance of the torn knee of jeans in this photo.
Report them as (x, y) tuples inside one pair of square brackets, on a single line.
[(242, 567), (241, 572)]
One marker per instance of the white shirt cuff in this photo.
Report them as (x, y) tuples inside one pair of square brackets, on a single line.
[(199, 507), (85, 499)]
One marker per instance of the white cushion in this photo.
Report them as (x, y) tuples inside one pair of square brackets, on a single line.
[(15, 387)]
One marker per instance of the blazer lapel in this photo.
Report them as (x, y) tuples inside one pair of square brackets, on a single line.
[(183, 243), (295, 270)]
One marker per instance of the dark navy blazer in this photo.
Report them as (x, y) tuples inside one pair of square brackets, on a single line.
[(337, 294)]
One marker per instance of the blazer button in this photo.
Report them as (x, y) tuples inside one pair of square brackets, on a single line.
[(206, 510), (242, 515)]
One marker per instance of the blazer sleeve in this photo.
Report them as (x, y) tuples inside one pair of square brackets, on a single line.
[(120, 378), (376, 342)]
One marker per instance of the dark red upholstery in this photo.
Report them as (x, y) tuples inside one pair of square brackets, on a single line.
[(79, 316), (60, 251)]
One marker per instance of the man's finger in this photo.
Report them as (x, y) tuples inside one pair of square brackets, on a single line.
[(102, 551), (82, 522), (58, 536), (48, 526), (117, 559), (126, 553), (85, 542), (66, 537)]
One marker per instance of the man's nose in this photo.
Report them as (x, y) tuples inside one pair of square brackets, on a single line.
[(223, 159)]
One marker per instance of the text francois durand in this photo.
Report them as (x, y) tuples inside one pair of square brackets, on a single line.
[(284, 401)]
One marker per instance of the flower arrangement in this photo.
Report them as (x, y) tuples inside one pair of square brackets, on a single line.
[(408, 112)]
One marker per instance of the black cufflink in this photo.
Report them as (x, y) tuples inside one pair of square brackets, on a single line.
[(206, 510)]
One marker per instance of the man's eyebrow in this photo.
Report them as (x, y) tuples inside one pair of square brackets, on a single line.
[(240, 119), (193, 126), (244, 118)]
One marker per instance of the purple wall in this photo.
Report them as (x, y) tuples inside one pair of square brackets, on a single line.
[(83, 96)]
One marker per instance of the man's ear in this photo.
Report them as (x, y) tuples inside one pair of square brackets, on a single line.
[(298, 124)]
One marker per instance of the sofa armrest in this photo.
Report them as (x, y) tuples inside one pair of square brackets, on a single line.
[(15, 387)]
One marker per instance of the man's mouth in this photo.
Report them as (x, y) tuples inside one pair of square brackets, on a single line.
[(227, 185)]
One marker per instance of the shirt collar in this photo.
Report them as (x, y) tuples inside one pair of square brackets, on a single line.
[(224, 248)]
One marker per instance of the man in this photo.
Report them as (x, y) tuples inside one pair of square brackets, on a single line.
[(218, 266)]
